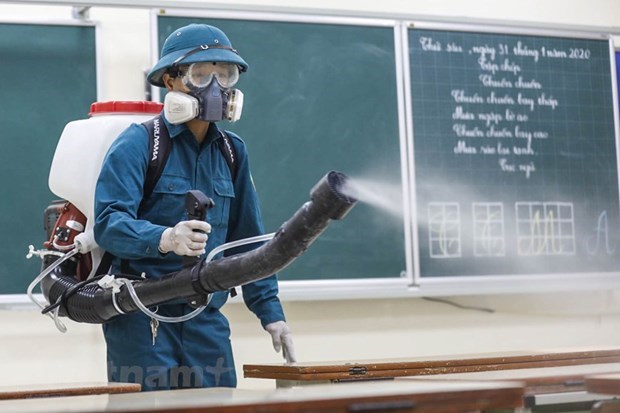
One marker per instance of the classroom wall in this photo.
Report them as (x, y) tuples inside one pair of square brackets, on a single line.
[(33, 351)]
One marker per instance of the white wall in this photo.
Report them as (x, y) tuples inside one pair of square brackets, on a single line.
[(32, 351)]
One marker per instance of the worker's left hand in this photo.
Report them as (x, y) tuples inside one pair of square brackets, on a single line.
[(282, 338)]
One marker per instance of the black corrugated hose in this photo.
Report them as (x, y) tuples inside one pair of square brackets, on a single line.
[(92, 304)]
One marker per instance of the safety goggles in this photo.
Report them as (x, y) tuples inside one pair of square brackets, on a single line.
[(200, 74)]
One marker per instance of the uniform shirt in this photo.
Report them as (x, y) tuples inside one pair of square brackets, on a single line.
[(132, 231)]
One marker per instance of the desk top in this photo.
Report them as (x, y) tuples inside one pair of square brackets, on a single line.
[(65, 389), (604, 383), (388, 368), (537, 380), (426, 397)]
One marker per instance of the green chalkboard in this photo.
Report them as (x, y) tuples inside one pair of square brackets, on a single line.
[(49, 74), (516, 169), (320, 97)]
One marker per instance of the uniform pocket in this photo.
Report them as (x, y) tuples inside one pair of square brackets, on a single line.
[(168, 199), (224, 193)]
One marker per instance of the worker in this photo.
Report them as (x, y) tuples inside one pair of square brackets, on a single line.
[(198, 67)]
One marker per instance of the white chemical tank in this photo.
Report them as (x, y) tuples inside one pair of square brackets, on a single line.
[(83, 145), (80, 153)]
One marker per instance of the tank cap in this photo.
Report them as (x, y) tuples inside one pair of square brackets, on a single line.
[(123, 107)]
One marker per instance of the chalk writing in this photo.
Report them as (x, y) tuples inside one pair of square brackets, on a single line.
[(489, 240), (545, 228), (600, 239), (522, 49), (518, 96), (444, 223)]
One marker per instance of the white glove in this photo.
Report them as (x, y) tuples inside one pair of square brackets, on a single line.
[(183, 240), (282, 338)]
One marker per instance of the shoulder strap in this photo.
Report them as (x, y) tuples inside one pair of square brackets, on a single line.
[(228, 150), (160, 145), (104, 264)]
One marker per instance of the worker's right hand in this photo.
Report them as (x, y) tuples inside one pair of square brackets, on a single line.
[(185, 238)]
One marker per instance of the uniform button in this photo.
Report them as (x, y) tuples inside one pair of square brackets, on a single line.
[(171, 187), (148, 250)]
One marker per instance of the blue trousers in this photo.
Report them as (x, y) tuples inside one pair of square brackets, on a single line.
[(195, 353)]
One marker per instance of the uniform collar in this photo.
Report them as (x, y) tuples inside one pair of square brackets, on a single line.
[(212, 133), (174, 130)]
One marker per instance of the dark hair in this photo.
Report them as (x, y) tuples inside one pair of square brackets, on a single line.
[(177, 70)]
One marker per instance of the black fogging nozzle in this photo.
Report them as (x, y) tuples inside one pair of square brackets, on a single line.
[(334, 191)]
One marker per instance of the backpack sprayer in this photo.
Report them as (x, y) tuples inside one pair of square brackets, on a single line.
[(71, 254)]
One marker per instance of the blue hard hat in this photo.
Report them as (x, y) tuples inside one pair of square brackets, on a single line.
[(191, 44)]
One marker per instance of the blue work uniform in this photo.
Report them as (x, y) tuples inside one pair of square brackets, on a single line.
[(194, 353)]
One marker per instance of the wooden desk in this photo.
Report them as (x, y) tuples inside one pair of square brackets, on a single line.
[(65, 389), (608, 384), (424, 366), (539, 380), (372, 396), (565, 385), (604, 383)]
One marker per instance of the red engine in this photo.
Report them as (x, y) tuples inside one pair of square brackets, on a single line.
[(69, 223)]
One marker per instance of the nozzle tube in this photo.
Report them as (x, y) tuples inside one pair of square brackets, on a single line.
[(327, 202), (289, 242)]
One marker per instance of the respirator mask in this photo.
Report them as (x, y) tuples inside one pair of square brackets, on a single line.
[(210, 98)]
